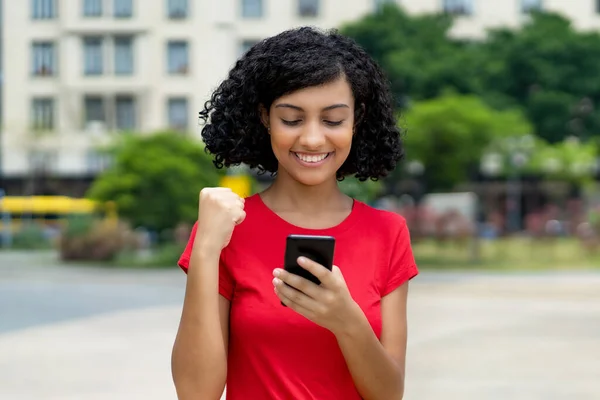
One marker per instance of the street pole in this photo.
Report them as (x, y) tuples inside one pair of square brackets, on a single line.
[(513, 198), (6, 224)]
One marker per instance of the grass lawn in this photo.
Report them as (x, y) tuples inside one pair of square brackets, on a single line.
[(507, 254), (515, 254)]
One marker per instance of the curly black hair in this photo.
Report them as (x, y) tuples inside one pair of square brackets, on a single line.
[(292, 60)]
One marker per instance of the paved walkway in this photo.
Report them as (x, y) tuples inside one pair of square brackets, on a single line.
[(70, 333)]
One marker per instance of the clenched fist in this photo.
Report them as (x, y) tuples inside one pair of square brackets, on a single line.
[(220, 210)]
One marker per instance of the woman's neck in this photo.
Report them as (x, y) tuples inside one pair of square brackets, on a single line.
[(286, 195)]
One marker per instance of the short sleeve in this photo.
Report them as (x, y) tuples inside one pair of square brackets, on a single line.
[(226, 283), (402, 266)]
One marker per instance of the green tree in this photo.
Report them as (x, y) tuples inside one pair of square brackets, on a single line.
[(449, 134), (570, 160), (415, 51), (545, 67), (366, 191), (155, 180), (549, 69)]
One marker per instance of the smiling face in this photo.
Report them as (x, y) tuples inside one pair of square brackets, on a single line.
[(311, 131)]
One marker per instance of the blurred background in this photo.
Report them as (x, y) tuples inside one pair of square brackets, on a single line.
[(101, 163)]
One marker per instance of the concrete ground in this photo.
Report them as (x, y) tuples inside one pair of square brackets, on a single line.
[(72, 333)]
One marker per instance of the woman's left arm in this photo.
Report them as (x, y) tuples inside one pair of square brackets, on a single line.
[(377, 367)]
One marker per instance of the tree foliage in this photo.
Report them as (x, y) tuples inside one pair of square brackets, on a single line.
[(545, 67), (570, 160), (549, 69), (366, 191), (155, 180), (414, 51), (449, 134)]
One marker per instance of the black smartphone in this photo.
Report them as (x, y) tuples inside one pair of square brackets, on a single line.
[(317, 248)]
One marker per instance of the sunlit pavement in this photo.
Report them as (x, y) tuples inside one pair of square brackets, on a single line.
[(73, 333)]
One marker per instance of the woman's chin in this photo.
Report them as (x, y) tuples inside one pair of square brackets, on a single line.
[(313, 178)]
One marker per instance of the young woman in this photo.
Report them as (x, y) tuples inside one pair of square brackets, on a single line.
[(312, 108)]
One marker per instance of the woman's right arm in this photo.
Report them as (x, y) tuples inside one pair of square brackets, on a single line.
[(199, 357)]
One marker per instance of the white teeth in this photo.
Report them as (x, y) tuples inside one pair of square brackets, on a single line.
[(311, 158)]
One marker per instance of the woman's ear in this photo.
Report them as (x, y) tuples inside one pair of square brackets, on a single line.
[(264, 117)]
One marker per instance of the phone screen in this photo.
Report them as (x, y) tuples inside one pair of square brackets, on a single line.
[(317, 248)]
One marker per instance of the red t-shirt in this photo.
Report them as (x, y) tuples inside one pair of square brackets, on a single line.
[(275, 353)]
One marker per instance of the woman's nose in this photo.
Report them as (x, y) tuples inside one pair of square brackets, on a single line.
[(312, 137)]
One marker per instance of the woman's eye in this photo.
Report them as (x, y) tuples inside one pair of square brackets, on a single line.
[(333, 123), (290, 123)]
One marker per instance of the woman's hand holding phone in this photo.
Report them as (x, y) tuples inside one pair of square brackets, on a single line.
[(329, 304)]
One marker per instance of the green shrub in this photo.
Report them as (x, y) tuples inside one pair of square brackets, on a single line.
[(31, 237), (95, 240), (165, 255)]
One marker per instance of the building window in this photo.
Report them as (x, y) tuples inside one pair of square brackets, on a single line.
[(125, 111), (120, 114), (95, 110), (252, 8), (42, 114), (308, 8), (123, 8), (379, 4), (43, 59), (178, 113), (43, 9), (92, 8), (93, 60), (124, 55), (177, 9), (98, 161), (458, 7), (246, 45), (43, 160), (178, 57), (528, 6)]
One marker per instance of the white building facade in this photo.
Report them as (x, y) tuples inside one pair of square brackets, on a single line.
[(77, 72)]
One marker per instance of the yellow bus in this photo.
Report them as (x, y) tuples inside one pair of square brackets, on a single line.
[(48, 210)]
